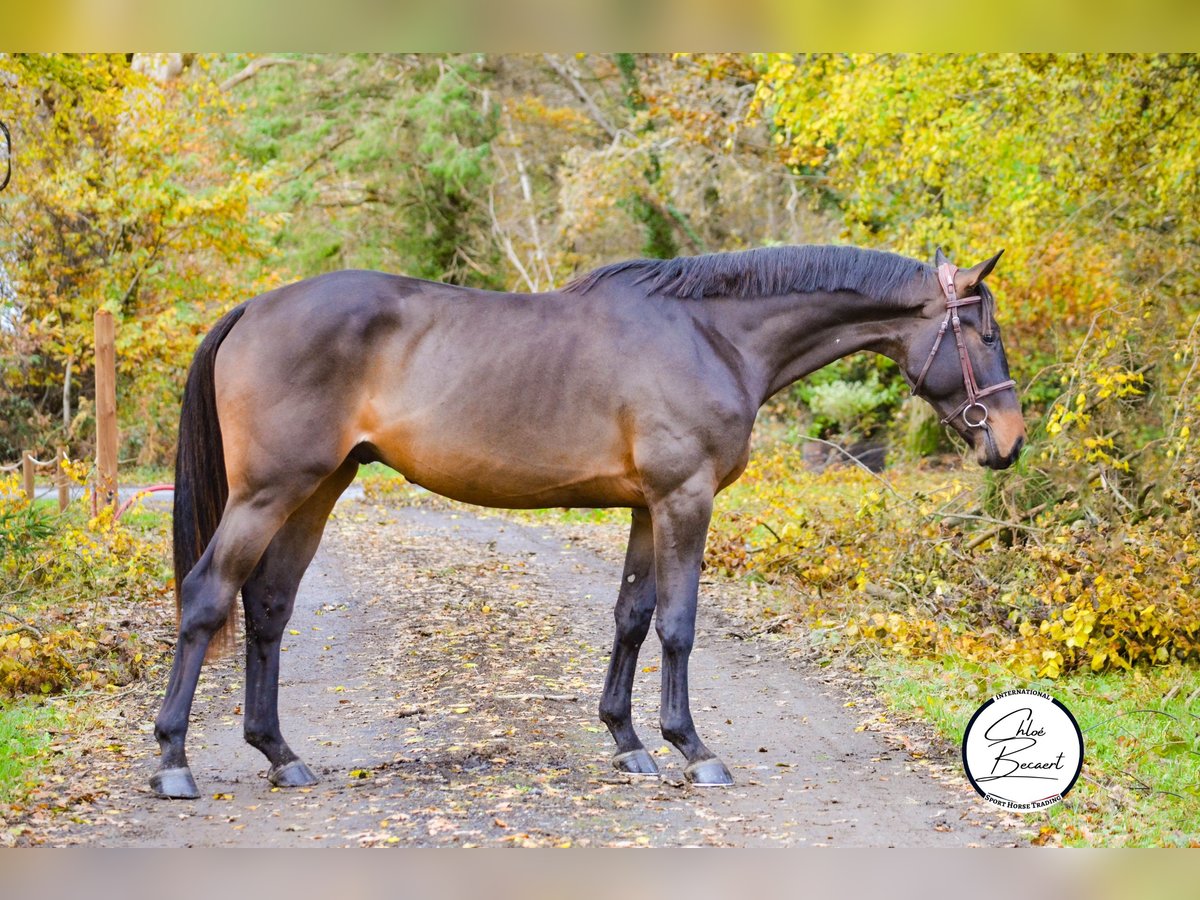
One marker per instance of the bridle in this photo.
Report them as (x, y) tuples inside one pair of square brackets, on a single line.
[(946, 273)]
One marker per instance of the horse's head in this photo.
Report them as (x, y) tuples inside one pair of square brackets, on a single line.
[(955, 361)]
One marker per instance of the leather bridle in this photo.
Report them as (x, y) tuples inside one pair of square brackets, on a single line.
[(945, 275)]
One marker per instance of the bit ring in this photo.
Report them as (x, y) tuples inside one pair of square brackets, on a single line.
[(983, 419)]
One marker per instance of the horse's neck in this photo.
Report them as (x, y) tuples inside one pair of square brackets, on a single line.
[(786, 338)]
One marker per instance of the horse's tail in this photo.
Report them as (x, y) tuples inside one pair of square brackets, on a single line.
[(201, 487)]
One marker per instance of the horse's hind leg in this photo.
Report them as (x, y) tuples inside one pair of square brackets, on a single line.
[(268, 598), (247, 526), (634, 612)]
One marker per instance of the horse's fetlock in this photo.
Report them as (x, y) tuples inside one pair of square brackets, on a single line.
[(614, 713), (676, 733)]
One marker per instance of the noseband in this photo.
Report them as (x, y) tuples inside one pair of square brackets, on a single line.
[(974, 394)]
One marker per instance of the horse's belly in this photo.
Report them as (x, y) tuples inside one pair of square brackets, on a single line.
[(531, 469), (524, 493)]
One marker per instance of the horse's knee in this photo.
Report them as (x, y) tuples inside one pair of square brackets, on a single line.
[(676, 638), (633, 626)]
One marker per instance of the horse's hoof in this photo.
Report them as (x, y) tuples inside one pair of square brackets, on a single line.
[(635, 762), (175, 784), (292, 774), (708, 773)]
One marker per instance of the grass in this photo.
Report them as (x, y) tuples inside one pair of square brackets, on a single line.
[(377, 472), (24, 745), (147, 520), (1140, 785), (146, 475)]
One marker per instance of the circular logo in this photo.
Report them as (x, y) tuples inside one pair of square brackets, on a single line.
[(1022, 750)]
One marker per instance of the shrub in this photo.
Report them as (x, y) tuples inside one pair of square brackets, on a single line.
[(909, 562), (67, 583)]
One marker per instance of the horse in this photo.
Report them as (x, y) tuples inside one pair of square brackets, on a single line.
[(635, 385)]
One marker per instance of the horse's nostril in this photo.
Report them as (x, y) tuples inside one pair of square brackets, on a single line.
[(1016, 450)]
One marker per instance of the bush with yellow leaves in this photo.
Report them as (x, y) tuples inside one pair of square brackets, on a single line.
[(70, 591), (912, 562)]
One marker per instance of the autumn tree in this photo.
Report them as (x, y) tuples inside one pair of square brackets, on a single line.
[(120, 199), (1083, 166), (382, 161)]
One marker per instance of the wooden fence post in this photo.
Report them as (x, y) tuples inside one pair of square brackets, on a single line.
[(60, 478), (27, 472), (106, 408)]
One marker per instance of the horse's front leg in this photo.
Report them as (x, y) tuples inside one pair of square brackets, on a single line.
[(680, 527), (633, 614)]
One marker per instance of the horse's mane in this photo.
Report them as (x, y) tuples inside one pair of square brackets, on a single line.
[(767, 272)]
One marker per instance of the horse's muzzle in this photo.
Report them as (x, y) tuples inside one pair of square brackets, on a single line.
[(992, 458)]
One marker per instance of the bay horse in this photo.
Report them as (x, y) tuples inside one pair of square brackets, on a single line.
[(635, 386)]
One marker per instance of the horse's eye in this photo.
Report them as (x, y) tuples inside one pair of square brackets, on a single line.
[(989, 339)]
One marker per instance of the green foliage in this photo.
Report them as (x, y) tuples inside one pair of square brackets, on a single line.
[(24, 741), (850, 409), (22, 526), (454, 151), (920, 430), (389, 168), (659, 241)]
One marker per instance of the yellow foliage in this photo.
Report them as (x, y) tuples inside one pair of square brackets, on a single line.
[(126, 199), (888, 562), (1084, 167), (61, 576)]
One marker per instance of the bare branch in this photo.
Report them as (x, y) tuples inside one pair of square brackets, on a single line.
[(565, 73), (253, 68), (507, 243), (22, 625)]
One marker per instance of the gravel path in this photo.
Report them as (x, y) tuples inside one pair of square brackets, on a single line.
[(442, 675)]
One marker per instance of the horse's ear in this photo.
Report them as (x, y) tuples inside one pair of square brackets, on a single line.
[(939, 258), (965, 279)]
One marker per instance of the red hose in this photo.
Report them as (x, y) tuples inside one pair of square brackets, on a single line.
[(150, 490)]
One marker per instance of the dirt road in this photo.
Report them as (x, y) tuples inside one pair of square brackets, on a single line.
[(442, 675)]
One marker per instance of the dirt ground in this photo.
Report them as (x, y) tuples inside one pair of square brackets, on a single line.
[(441, 676)]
